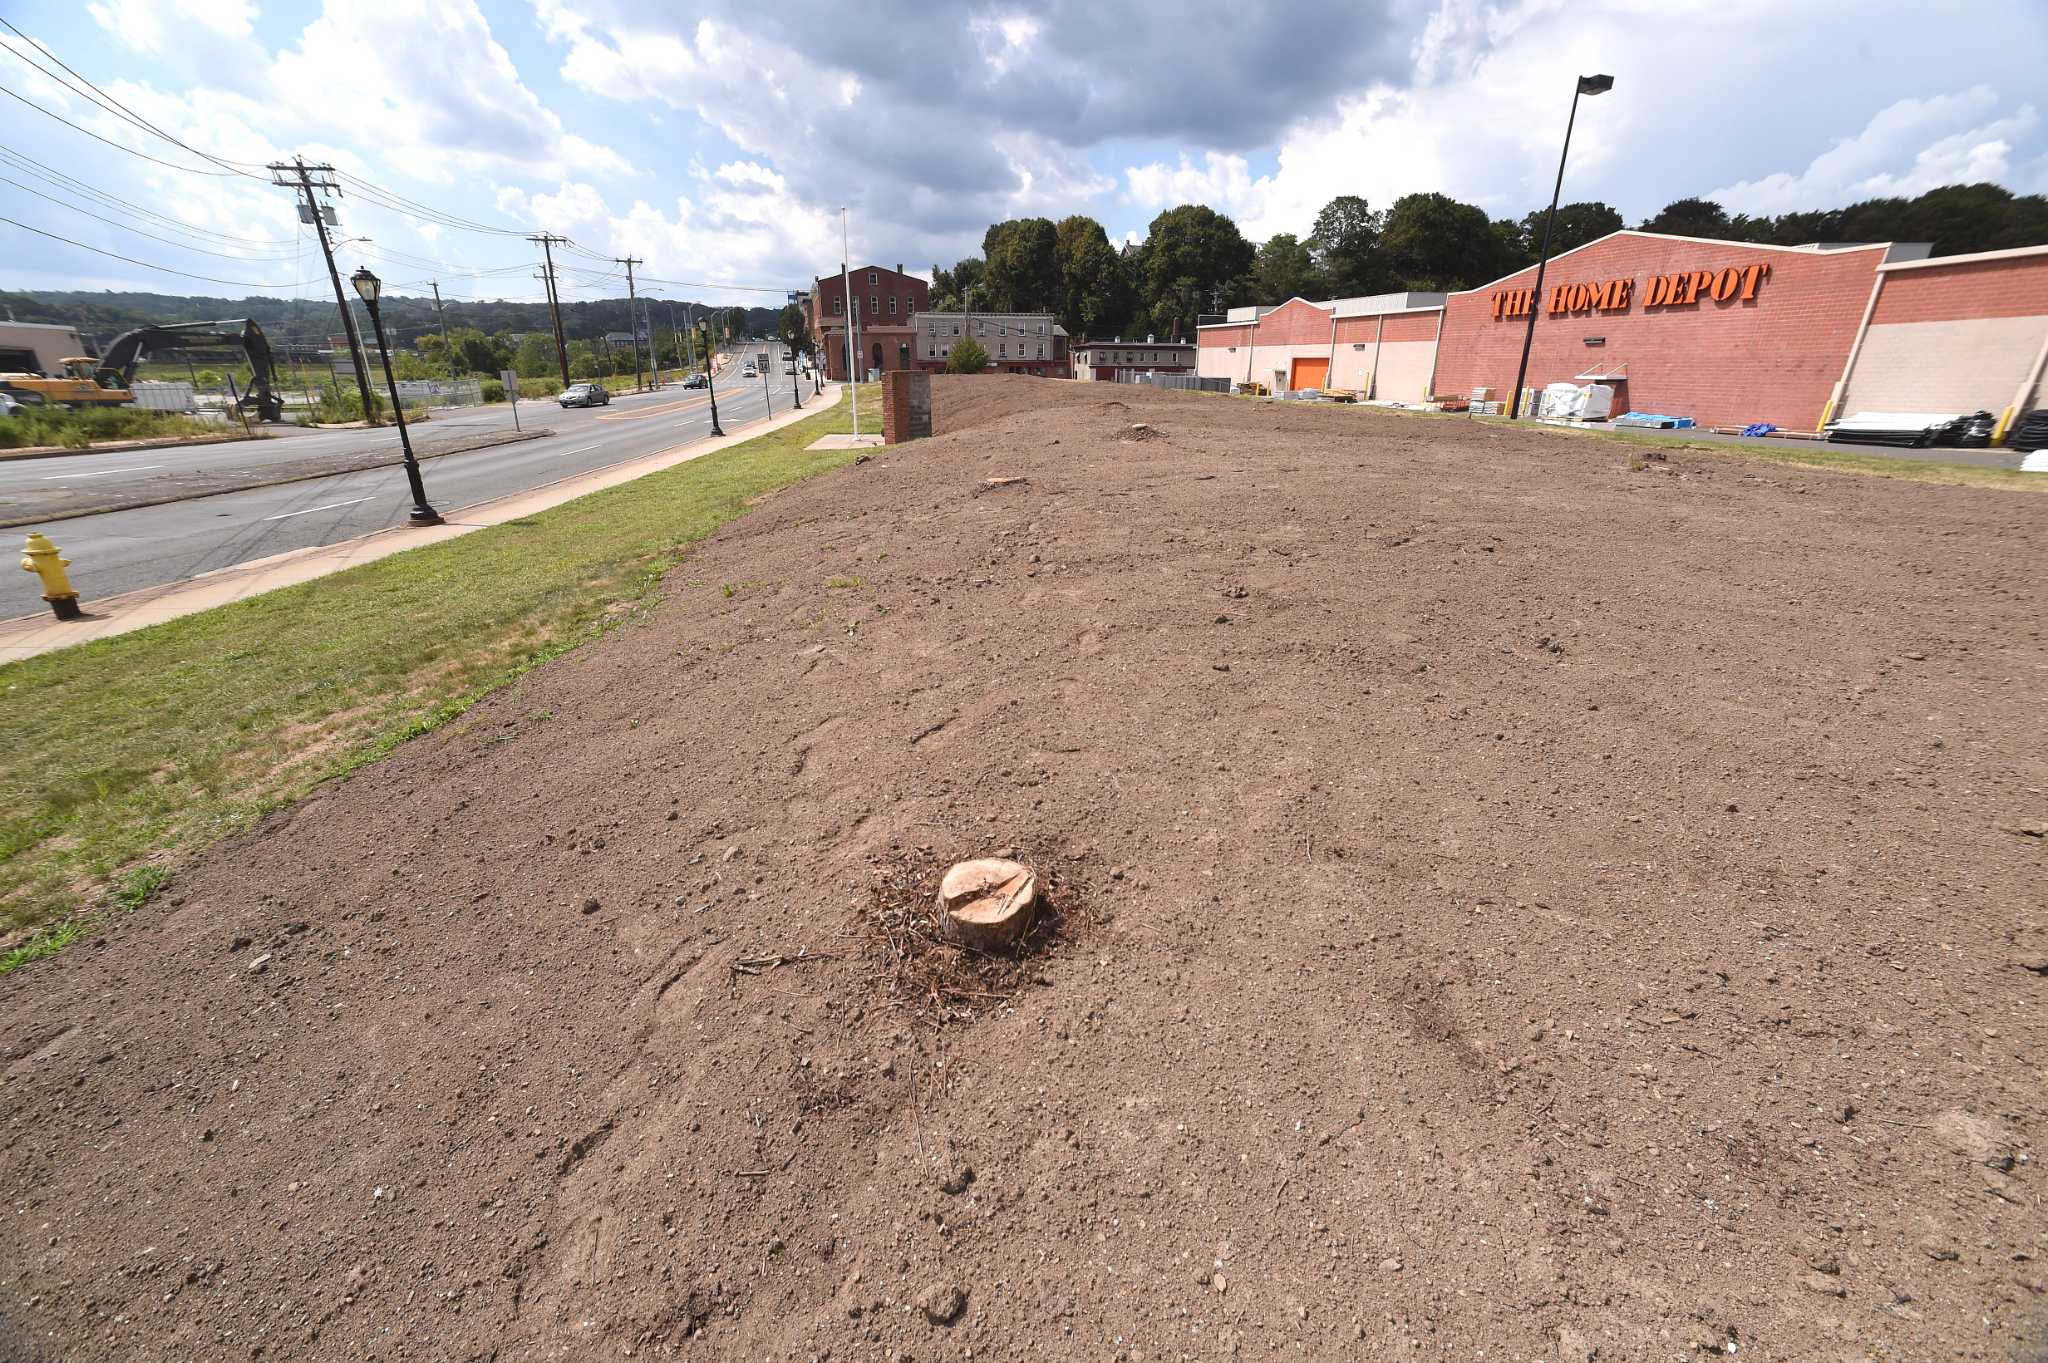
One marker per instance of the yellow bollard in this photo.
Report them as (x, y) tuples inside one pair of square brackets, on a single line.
[(40, 557)]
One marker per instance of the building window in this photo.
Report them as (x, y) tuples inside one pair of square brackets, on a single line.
[(871, 277), (1003, 349), (956, 328), (1041, 350), (838, 306), (1041, 328), (874, 306), (931, 352), (892, 305), (981, 328)]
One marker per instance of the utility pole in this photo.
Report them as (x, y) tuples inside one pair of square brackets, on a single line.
[(852, 312), (547, 242), (298, 175), (446, 348), (632, 314), (653, 345)]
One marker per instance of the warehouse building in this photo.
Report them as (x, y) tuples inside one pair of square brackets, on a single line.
[(1726, 333), (1382, 347)]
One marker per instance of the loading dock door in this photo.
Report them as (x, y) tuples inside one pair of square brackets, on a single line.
[(1310, 373)]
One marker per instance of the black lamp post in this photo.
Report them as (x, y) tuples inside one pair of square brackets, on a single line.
[(369, 286), (1588, 85), (711, 380)]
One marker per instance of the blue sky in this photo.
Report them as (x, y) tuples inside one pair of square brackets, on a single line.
[(718, 143)]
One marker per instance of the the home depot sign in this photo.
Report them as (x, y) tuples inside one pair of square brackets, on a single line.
[(1661, 291)]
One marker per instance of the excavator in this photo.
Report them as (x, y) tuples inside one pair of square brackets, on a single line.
[(106, 381)]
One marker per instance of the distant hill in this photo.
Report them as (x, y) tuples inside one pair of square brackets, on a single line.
[(105, 314)]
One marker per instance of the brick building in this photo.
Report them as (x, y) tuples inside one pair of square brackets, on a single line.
[(1382, 346), (1016, 342), (884, 301), (1723, 332)]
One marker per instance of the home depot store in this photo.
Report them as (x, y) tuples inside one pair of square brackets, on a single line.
[(1723, 332)]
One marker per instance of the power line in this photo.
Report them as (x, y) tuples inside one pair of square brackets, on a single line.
[(110, 104), (28, 165), (161, 269), (189, 170), (111, 222)]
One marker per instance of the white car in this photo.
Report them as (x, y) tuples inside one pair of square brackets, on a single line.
[(750, 373)]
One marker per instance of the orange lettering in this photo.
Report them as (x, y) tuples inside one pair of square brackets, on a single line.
[(1724, 284), (1697, 280), (1659, 291), (1751, 277), (1496, 305), (1558, 294), (1622, 289)]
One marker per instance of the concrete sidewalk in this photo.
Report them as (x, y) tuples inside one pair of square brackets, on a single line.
[(27, 636)]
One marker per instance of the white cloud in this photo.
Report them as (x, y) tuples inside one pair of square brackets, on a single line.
[(1907, 148)]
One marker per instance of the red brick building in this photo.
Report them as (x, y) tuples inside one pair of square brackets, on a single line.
[(1722, 332), (1727, 333), (884, 301)]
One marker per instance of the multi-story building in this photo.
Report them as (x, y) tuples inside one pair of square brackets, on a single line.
[(1016, 342), (1111, 360), (884, 302)]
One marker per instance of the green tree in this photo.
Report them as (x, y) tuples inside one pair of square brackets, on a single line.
[(967, 357), (1023, 265), (791, 331), (1576, 225), (1285, 269), (1094, 290), (1431, 241), (535, 357), (1192, 253), (964, 288), (1691, 218), (1345, 244)]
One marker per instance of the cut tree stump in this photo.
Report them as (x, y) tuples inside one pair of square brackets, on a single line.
[(988, 903)]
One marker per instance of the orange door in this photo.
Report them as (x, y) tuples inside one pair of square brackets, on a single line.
[(1309, 373)]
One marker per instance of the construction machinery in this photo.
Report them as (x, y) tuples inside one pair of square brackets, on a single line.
[(108, 380)]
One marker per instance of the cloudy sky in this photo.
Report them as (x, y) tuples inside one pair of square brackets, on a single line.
[(718, 143)]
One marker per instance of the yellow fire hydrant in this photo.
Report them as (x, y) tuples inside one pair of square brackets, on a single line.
[(40, 557)]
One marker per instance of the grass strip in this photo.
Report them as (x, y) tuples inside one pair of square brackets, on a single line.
[(156, 743)]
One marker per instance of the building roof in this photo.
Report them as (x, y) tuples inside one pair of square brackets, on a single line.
[(1975, 257)]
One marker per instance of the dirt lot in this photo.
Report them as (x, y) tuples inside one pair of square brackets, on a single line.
[(1511, 905)]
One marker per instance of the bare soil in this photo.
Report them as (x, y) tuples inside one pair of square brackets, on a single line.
[(1510, 904)]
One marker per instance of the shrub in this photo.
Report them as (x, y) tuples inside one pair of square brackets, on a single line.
[(346, 404), (493, 390), (967, 357), (58, 426)]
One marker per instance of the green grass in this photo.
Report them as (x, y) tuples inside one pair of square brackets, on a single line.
[(50, 425), (167, 739)]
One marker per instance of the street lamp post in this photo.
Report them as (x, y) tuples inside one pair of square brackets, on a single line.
[(711, 381), (1588, 85), (369, 286)]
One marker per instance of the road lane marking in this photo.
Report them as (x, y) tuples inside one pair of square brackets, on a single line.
[(578, 450), (311, 509), (130, 468)]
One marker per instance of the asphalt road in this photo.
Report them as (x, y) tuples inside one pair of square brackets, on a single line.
[(121, 551)]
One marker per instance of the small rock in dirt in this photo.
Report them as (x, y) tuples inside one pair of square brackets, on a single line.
[(1937, 1251), (238, 944), (1977, 1139), (1390, 1265), (942, 1303), (1221, 667), (731, 853), (1222, 619), (1237, 592), (1824, 1263), (1823, 1284), (591, 906), (827, 1247), (1220, 1283), (260, 964), (956, 1182)]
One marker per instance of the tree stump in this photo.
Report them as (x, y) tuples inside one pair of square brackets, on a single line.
[(988, 903)]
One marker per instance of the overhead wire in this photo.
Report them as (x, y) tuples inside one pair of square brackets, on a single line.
[(147, 265), (127, 227), (188, 170), (70, 184), (114, 106)]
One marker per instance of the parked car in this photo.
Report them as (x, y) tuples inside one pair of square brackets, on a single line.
[(585, 395), (11, 406), (696, 381)]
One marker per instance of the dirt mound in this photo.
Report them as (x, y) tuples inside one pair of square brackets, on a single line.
[(1527, 907)]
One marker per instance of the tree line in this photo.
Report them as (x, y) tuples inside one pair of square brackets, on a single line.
[(1195, 261)]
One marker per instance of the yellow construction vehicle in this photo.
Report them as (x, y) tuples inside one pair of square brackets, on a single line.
[(75, 387)]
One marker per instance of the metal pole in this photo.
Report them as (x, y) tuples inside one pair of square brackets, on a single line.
[(422, 514), (446, 347), (547, 242), (633, 315), (767, 398), (846, 288), (304, 176), (711, 383), (1543, 261)]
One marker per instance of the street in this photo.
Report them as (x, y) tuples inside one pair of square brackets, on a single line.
[(120, 551)]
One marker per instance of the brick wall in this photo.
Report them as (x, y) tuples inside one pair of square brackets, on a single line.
[(1774, 357), (1941, 293), (906, 405), (1412, 326)]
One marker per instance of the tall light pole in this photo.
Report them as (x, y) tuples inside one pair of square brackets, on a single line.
[(1588, 85), (711, 380), (369, 287), (846, 289)]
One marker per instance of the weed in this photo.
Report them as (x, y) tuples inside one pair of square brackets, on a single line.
[(843, 583)]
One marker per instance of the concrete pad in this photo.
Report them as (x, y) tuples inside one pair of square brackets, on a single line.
[(29, 635), (846, 442)]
